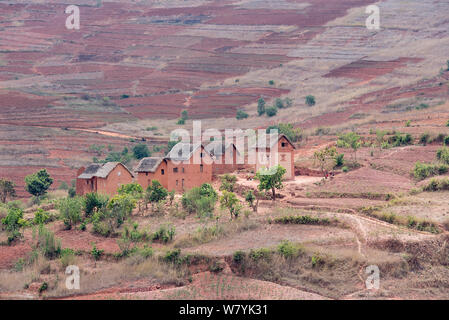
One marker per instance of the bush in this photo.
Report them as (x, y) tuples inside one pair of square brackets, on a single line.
[(70, 211), (228, 182), (261, 106), (443, 155), (241, 115), (165, 233), (437, 185), (289, 250), (339, 160), (173, 256), (424, 138), (310, 100), (301, 220), (271, 111), (271, 82), (200, 200), (260, 254), (96, 253), (41, 217), (238, 257), (92, 202), (446, 141), (424, 170)]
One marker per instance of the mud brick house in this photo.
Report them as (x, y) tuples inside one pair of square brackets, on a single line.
[(224, 156), (102, 178), (186, 166), (285, 156)]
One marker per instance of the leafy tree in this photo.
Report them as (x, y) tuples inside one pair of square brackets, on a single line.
[(350, 140), (156, 193), (241, 115), (323, 156), (181, 122), (206, 190), (93, 202), (261, 106), (271, 179), (70, 211), (13, 223), (41, 217), (38, 183), (141, 151), (310, 100), (200, 200), (6, 190), (230, 202), (339, 160), (271, 111), (252, 199)]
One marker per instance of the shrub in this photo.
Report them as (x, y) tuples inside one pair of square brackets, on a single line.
[(260, 254), (41, 217), (279, 103), (181, 122), (424, 138), (339, 160), (12, 223), (96, 253), (289, 250), (165, 233), (443, 155), (92, 202), (200, 200), (70, 211), (271, 82), (238, 257), (241, 115), (345, 169), (408, 123), (310, 100), (228, 182), (424, 170), (271, 111), (437, 185), (173, 256), (446, 141), (301, 220)]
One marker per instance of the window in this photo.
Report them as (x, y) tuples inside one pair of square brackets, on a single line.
[(146, 174), (183, 183), (283, 144), (201, 168), (175, 170), (176, 182), (202, 155), (183, 170), (162, 172)]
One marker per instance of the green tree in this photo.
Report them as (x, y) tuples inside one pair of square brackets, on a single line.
[(156, 193), (93, 202), (13, 223), (70, 211), (6, 190), (261, 106), (310, 100), (350, 140), (271, 111), (119, 209), (38, 183), (271, 179), (230, 202), (228, 182), (141, 151), (184, 115)]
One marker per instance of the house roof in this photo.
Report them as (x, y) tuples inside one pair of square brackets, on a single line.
[(272, 143), (100, 170), (182, 151), (218, 148), (149, 164)]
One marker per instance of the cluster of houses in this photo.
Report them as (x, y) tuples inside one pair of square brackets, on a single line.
[(186, 166)]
